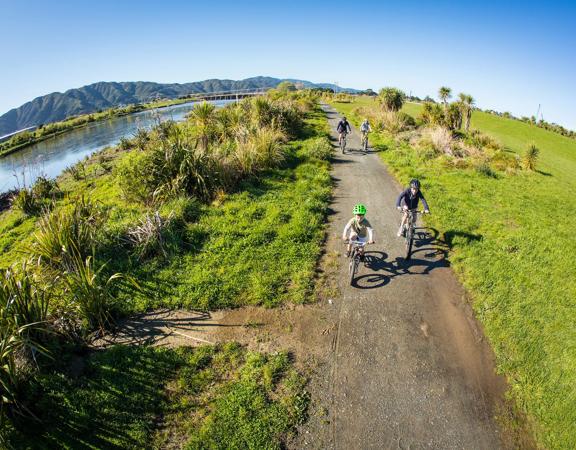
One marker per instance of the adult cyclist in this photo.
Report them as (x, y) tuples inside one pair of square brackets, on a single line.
[(408, 201), (365, 129), (343, 129)]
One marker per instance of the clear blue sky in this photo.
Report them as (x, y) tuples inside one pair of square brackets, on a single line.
[(510, 56)]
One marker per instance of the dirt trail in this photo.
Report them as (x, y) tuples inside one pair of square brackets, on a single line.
[(410, 368), (398, 361)]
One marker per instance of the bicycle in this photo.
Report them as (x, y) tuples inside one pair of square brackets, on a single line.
[(365, 140), (343, 142), (409, 229), (355, 255)]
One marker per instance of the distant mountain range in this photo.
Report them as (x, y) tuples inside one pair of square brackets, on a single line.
[(98, 96)]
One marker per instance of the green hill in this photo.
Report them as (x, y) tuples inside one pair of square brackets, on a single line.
[(103, 95)]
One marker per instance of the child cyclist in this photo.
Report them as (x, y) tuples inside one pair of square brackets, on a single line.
[(359, 229), (408, 201)]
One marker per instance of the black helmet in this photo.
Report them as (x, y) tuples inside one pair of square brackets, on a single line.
[(415, 183)]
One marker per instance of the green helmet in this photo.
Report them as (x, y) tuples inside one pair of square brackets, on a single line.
[(359, 209)]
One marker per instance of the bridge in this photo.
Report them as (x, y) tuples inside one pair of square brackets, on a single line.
[(226, 95)]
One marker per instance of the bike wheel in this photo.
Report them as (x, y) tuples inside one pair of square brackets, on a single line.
[(409, 241), (353, 267)]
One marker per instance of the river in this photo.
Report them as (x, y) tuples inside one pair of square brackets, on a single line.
[(52, 156)]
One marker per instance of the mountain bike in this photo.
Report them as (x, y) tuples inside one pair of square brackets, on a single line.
[(409, 230), (343, 142), (365, 141), (356, 253)]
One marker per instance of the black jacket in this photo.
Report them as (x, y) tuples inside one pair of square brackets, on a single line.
[(343, 126), (411, 201)]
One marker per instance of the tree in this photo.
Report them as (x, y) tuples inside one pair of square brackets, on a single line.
[(391, 99), (286, 86), (453, 116), (445, 93), (432, 114), (466, 104)]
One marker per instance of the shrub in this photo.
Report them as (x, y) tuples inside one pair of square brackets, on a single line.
[(141, 138), (125, 143), (484, 169), (44, 187), (90, 290), (438, 139), (26, 201), (77, 171), (394, 122), (23, 313), (148, 237), (65, 229), (482, 141), (391, 99), (134, 176), (319, 148), (432, 114), (531, 157)]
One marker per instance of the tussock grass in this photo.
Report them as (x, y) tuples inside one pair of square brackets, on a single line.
[(512, 246)]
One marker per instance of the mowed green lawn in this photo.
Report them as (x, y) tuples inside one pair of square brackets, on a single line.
[(513, 246)]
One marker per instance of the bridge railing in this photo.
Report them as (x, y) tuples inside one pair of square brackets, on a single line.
[(238, 92)]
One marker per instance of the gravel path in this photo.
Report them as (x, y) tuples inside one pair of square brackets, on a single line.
[(410, 368)]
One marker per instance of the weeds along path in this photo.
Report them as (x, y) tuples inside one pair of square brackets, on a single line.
[(410, 367)]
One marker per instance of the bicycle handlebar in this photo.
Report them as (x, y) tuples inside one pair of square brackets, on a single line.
[(402, 210), (358, 243)]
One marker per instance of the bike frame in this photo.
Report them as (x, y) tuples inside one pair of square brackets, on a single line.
[(365, 140), (343, 141), (409, 228), (355, 253)]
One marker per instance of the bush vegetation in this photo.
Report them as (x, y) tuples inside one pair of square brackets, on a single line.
[(226, 195)]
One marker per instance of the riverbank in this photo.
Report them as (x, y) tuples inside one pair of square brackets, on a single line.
[(215, 246), (48, 131)]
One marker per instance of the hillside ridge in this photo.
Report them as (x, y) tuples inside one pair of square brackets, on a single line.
[(107, 94)]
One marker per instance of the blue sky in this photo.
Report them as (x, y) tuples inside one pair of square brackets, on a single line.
[(510, 56)]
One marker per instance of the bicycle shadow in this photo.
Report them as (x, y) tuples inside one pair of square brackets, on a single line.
[(377, 261), (429, 252)]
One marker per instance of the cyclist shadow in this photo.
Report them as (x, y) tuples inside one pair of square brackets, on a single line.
[(376, 261), (429, 252)]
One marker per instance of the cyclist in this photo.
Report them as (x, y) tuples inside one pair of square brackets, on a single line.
[(409, 199), (365, 129), (343, 129), (359, 227)]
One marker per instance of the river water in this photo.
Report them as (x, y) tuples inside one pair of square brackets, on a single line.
[(52, 156)]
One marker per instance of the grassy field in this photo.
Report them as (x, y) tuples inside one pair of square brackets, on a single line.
[(256, 242), (229, 247), (512, 245), (139, 397)]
